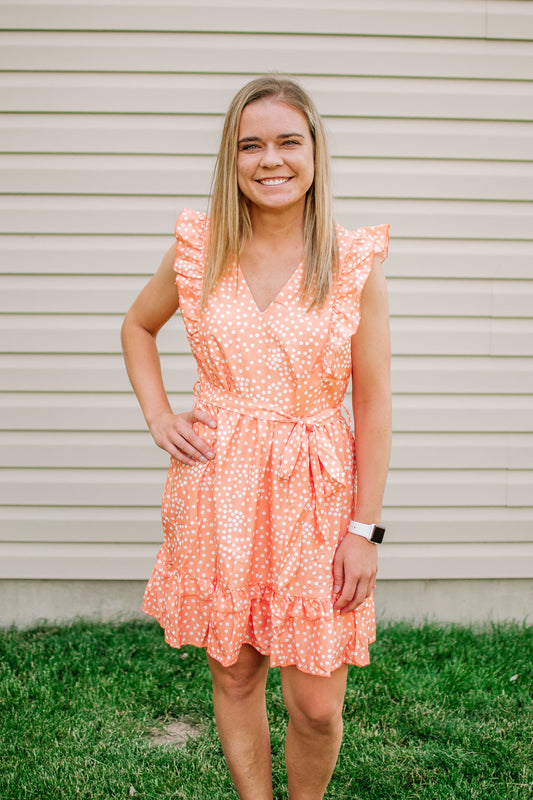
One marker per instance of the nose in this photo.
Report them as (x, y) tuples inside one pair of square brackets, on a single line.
[(271, 158)]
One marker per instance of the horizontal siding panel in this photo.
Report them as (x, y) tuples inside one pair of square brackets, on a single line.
[(520, 452), (490, 413), (78, 450), (520, 488), (37, 51), (160, 175), (84, 561), (78, 561), (462, 375), (103, 487), (450, 524), (442, 219), (120, 412), (422, 488), (456, 561), (91, 450), (410, 374), (85, 373), (512, 337), (78, 411), (383, 17), (93, 524), (113, 294), (211, 94), (509, 19), (442, 297), (58, 524), (135, 255), (83, 255), (441, 258), (454, 336), (442, 179), (349, 137), (157, 215), (81, 487), (455, 451), (430, 138), (521, 303), (113, 133), (82, 524), (89, 333)]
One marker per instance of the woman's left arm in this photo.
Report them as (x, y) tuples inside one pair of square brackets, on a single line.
[(356, 559)]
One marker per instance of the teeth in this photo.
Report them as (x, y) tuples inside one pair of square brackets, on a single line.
[(273, 181)]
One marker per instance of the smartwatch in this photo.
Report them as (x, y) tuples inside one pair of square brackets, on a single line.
[(373, 532)]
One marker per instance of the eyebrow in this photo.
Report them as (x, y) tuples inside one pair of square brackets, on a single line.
[(280, 136)]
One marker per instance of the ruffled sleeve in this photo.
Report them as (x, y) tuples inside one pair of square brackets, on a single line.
[(357, 250), (191, 234)]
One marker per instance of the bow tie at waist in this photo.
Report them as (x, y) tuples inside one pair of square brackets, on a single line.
[(308, 434)]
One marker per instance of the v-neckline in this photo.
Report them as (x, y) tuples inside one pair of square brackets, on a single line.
[(277, 298)]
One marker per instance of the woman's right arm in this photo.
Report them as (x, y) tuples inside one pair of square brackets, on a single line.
[(154, 306)]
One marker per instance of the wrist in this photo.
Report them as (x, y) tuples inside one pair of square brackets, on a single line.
[(154, 415), (367, 515), (372, 532)]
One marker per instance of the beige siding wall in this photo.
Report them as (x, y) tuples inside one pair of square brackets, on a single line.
[(111, 117)]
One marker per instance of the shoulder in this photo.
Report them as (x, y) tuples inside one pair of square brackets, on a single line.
[(191, 238), (191, 228), (361, 245)]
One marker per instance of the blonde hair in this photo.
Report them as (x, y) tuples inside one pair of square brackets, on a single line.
[(230, 224)]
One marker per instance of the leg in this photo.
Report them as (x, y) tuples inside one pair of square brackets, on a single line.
[(240, 713), (314, 732)]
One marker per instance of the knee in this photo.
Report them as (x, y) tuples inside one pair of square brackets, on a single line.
[(318, 716), (238, 682)]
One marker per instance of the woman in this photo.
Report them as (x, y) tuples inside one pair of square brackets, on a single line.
[(258, 564)]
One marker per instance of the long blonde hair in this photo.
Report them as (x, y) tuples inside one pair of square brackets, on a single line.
[(230, 224)]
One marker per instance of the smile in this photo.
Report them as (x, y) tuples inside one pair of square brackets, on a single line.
[(273, 181)]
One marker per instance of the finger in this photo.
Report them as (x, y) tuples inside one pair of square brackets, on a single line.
[(201, 452), (179, 455), (363, 591), (346, 596), (338, 574), (203, 416), (194, 445)]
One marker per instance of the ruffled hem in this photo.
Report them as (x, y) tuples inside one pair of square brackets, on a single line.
[(355, 267), (304, 632), (191, 234)]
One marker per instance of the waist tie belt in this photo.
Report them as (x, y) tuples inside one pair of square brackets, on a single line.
[(309, 432)]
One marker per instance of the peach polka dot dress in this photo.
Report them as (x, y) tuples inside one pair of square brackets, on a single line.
[(250, 536)]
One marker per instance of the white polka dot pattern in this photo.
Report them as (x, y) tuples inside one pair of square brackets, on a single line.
[(250, 536)]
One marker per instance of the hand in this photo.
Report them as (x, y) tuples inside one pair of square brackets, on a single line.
[(175, 434), (355, 566)]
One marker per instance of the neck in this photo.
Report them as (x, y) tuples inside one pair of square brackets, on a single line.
[(283, 227)]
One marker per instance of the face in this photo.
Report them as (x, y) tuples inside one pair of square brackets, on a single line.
[(275, 161)]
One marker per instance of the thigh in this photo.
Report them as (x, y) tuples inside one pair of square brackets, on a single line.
[(316, 697)]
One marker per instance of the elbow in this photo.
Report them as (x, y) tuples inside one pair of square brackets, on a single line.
[(133, 331), (124, 330)]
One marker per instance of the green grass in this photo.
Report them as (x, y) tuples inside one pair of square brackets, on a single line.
[(436, 715)]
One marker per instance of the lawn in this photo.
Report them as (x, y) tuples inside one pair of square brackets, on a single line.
[(442, 712)]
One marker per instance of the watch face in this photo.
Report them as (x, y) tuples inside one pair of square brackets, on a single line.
[(377, 534)]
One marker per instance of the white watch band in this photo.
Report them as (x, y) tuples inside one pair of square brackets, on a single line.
[(374, 533), (361, 529)]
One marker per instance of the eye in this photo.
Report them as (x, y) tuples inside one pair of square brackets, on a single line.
[(248, 147), (290, 142)]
